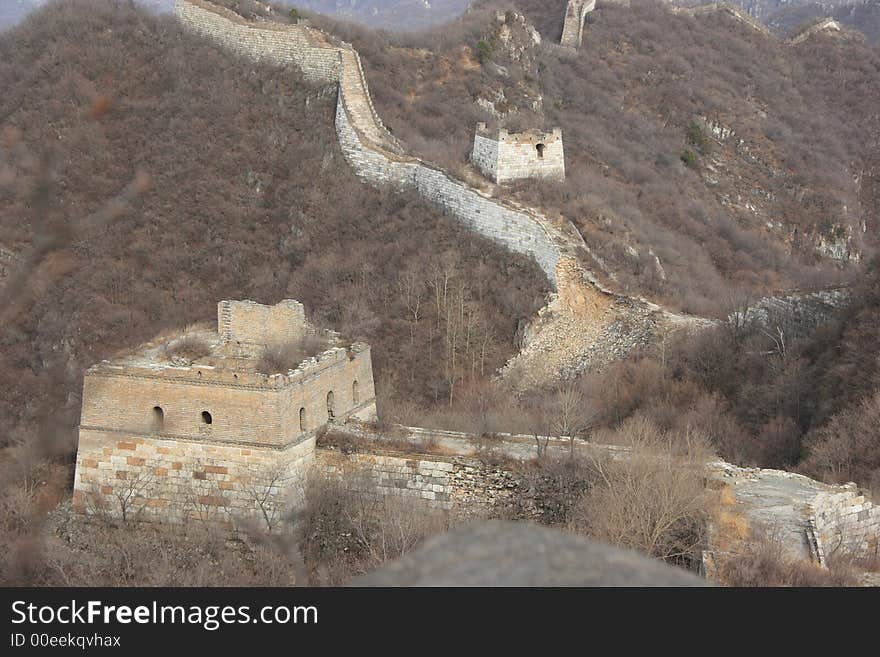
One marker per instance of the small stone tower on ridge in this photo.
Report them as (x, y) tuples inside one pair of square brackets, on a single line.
[(505, 156)]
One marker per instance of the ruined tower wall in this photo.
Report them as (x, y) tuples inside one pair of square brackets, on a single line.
[(246, 408), (255, 323), (261, 434), (485, 155), (124, 401)]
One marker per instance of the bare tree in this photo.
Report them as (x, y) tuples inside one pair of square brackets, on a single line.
[(654, 499), (264, 490), (571, 414), (129, 493)]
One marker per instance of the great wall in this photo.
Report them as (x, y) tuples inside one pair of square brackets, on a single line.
[(229, 465), (584, 324)]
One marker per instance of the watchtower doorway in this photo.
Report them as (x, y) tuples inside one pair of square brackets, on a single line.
[(331, 411)]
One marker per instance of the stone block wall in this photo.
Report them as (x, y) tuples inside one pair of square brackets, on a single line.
[(846, 522), (170, 480), (465, 487), (484, 155)]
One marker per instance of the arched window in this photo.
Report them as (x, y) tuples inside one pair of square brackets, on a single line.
[(302, 419), (331, 414), (540, 149), (355, 392), (158, 418), (206, 417)]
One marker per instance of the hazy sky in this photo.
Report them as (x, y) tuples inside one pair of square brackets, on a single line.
[(12, 11)]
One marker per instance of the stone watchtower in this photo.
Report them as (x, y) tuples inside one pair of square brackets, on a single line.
[(504, 156), (193, 426)]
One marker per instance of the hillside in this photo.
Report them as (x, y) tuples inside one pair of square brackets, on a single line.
[(701, 153), (241, 192)]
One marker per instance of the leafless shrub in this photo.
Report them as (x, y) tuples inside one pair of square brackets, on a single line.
[(346, 529), (189, 348), (654, 499), (283, 357), (766, 563)]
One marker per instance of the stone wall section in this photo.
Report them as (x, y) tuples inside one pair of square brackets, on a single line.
[(273, 43), (573, 25), (463, 486), (376, 158), (514, 229), (372, 152)]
